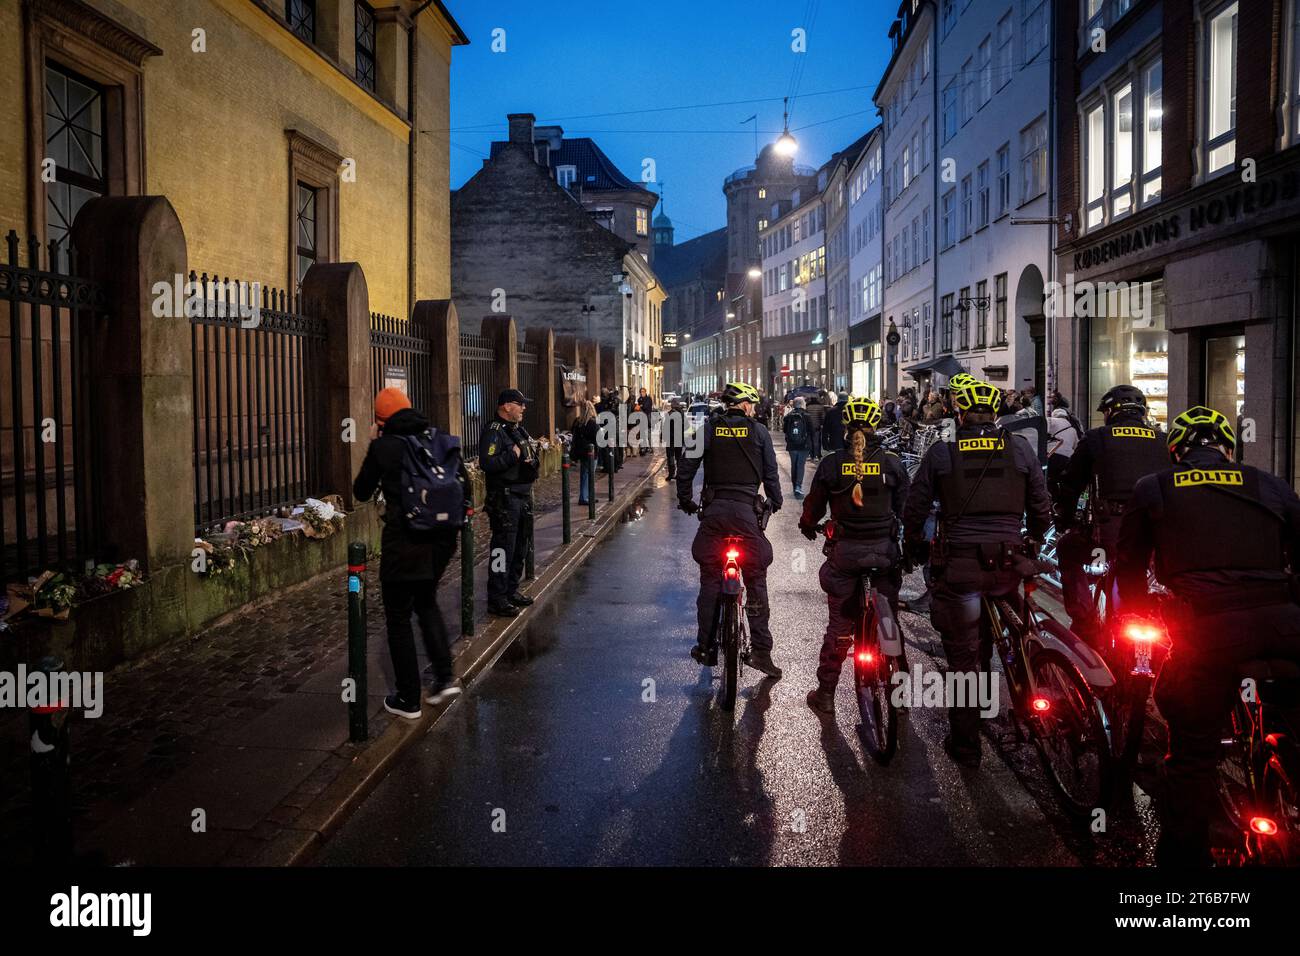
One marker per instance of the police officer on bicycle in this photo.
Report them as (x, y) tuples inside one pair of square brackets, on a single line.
[(509, 458), (1221, 534), (1110, 459), (865, 487), (738, 456), (989, 486)]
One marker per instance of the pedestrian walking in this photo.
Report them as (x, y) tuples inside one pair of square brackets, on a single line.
[(583, 449), (509, 458), (798, 440), (833, 430), (646, 405), (674, 436), (816, 412), (420, 472)]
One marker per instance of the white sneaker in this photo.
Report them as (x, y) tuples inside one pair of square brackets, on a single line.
[(395, 706), (438, 695)]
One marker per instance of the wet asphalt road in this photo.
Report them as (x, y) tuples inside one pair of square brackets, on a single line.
[(595, 740)]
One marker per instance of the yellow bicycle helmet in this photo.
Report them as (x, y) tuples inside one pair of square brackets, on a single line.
[(737, 392), (861, 411), (1200, 425), (961, 380), (977, 396)]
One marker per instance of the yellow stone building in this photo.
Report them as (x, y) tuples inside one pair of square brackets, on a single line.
[(282, 131)]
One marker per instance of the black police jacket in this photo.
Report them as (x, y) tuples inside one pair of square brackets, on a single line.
[(496, 456), (884, 482), (1214, 528), (740, 457), (1013, 476), (1118, 453)]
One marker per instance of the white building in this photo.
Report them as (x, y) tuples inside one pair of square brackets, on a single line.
[(866, 271), (795, 306), (992, 168), (905, 99)]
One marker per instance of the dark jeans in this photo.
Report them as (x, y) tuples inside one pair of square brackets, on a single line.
[(401, 600), (673, 455), (839, 577), (797, 461), (1195, 693), (816, 443), (956, 612), (1076, 550), (511, 518), (586, 479)]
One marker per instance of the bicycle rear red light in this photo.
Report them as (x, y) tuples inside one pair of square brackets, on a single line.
[(1041, 705), (732, 554), (1143, 632), (1263, 826), (865, 657)]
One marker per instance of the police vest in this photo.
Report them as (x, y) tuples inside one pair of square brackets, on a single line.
[(873, 477), (734, 456), (982, 478), (1129, 450), (1213, 520)]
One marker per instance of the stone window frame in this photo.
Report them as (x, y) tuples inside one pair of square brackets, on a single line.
[(72, 35), (317, 166)]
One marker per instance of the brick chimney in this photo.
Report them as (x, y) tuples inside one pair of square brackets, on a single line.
[(521, 128)]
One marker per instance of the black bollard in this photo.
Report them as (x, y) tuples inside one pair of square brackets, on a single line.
[(358, 718), (611, 484), (564, 495), (591, 491), (51, 778)]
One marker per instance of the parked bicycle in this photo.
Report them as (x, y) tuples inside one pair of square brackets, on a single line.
[(1051, 675), (877, 652)]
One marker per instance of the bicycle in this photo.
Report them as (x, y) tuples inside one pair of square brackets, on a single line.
[(1051, 675), (730, 629), (877, 651), (1259, 772)]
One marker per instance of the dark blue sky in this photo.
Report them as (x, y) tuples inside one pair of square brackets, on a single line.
[(564, 61)]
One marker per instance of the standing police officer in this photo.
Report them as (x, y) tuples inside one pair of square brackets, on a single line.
[(987, 484), (1111, 458), (509, 459), (865, 487), (1221, 534), (738, 456)]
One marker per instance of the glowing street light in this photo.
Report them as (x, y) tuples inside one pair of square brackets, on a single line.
[(755, 272), (787, 145)]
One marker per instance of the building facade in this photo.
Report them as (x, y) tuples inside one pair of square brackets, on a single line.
[(906, 99), (282, 134), (795, 306), (524, 245), (1180, 188), (866, 271), (993, 139)]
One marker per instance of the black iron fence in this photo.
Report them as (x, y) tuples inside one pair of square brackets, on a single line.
[(526, 367), (49, 488), (475, 383), (258, 401), (400, 357)]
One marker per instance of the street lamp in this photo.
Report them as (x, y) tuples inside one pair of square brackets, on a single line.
[(787, 145), (755, 272)]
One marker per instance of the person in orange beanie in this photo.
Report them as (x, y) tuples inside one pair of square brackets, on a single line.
[(414, 553)]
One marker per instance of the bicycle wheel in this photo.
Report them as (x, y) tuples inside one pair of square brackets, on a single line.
[(873, 686), (1235, 773), (730, 653), (1070, 734), (1278, 795)]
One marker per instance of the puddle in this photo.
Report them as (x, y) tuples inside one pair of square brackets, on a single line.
[(636, 510)]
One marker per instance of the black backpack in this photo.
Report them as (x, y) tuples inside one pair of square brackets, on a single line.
[(796, 433), (432, 494)]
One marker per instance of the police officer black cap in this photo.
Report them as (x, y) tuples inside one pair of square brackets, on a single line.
[(512, 395)]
